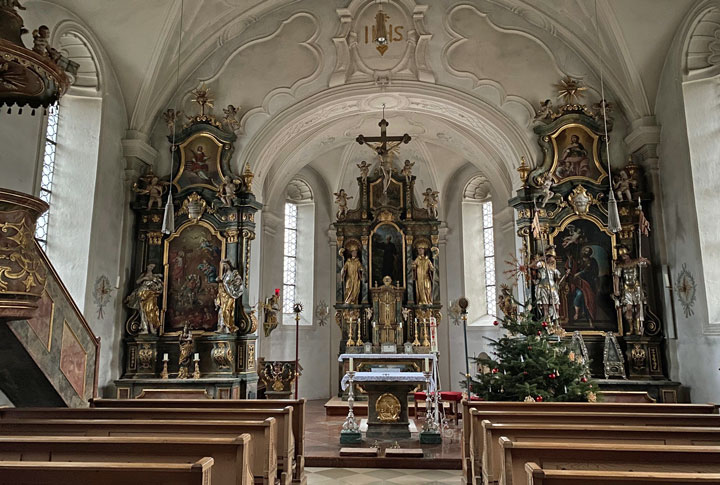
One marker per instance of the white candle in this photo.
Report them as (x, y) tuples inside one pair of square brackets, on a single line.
[(427, 364), (165, 357), (400, 325), (196, 357), (117, 282), (351, 364)]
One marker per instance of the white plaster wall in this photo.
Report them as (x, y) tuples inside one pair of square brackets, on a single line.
[(21, 137)]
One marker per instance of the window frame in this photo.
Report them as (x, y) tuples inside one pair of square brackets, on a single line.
[(47, 172)]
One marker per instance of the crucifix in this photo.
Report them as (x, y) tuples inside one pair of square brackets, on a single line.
[(383, 146)]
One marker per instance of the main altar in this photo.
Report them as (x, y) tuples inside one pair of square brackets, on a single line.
[(387, 285), (190, 323)]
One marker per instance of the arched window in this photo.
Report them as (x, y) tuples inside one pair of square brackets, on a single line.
[(479, 251), (298, 251), (47, 172)]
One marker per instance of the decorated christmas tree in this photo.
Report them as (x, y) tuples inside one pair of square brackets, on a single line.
[(532, 363)]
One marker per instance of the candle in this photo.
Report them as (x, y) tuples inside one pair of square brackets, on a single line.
[(427, 364), (165, 357), (117, 282), (351, 364), (196, 357), (401, 325)]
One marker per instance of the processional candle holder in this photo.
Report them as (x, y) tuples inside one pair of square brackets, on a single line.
[(164, 374), (431, 429), (350, 340), (358, 341), (297, 309), (196, 360), (426, 324), (350, 430)]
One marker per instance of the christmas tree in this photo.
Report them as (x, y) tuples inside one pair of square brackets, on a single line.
[(532, 363)]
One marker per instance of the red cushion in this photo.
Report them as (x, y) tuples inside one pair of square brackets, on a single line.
[(476, 398), (451, 395), (420, 396)]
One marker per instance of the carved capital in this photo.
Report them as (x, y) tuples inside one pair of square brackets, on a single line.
[(155, 238)]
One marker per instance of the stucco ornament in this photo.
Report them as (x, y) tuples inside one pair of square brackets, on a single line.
[(686, 290)]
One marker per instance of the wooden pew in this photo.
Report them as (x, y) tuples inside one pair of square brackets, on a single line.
[(476, 439), (72, 473), (263, 434), (298, 406), (285, 443), (604, 457), (584, 433), (232, 456), (553, 407), (538, 476)]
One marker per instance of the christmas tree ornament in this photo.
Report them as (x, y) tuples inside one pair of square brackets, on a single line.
[(539, 399)]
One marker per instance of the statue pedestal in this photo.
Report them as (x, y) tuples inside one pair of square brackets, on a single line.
[(430, 438), (388, 409)]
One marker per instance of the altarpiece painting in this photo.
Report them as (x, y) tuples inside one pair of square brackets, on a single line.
[(200, 163), (387, 255), (576, 154)]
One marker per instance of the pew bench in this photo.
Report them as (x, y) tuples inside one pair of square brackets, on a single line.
[(298, 406), (538, 476), (285, 443), (583, 433), (569, 407), (72, 473), (605, 457), (263, 433), (232, 456)]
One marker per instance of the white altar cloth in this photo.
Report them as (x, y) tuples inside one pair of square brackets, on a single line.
[(387, 356), (409, 377)]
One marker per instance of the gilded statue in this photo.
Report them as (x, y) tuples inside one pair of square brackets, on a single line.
[(231, 288), (351, 274), (341, 199), (547, 279), (186, 347), (506, 302), (144, 299), (628, 292), (423, 270), (154, 188), (271, 307)]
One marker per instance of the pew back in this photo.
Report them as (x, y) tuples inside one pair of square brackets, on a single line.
[(538, 476), (71, 473)]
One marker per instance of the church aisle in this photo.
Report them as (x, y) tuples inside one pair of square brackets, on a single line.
[(377, 476)]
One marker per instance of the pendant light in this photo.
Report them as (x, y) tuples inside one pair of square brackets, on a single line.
[(381, 35), (168, 225), (613, 215)]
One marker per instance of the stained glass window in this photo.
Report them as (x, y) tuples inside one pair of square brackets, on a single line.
[(48, 170), (489, 245), (290, 257)]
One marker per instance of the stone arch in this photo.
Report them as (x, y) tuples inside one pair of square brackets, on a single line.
[(299, 191), (75, 47), (477, 188), (701, 50)]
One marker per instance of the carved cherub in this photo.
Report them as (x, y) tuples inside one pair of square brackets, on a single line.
[(226, 191), (546, 188), (545, 112), (341, 199), (623, 186), (171, 117), (230, 118), (154, 188), (11, 4), (364, 169), (597, 109), (407, 170), (431, 201), (41, 42)]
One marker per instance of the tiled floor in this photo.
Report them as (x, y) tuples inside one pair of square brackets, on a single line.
[(373, 476)]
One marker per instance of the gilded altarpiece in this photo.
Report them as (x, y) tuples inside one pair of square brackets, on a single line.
[(562, 209), (206, 337)]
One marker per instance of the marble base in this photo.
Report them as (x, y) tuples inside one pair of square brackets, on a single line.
[(430, 438), (388, 430), (350, 437)]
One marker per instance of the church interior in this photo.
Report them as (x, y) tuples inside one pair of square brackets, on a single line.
[(359, 241)]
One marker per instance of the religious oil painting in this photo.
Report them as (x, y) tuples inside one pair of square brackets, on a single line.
[(387, 255), (192, 269), (576, 154), (584, 260), (199, 163), (392, 197)]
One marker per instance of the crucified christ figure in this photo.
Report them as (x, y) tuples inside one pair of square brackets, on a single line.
[(380, 145)]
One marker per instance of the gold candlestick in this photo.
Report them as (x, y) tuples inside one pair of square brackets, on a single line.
[(350, 340), (359, 334), (416, 342), (164, 374), (196, 373)]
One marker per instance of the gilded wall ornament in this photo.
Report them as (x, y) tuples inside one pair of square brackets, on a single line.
[(222, 355), (686, 291), (580, 200), (388, 407), (194, 206)]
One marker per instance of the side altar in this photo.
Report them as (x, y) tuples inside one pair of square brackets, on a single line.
[(191, 325), (387, 278)]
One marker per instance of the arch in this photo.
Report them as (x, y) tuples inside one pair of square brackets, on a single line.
[(298, 191), (701, 47), (75, 47), (477, 188)]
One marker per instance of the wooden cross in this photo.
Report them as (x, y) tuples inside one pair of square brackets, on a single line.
[(380, 143)]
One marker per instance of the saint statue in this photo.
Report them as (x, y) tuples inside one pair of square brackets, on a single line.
[(271, 307), (628, 292), (231, 288), (351, 274), (547, 279), (144, 299), (423, 270), (186, 346)]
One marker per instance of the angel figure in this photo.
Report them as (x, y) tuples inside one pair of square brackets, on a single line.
[(603, 108), (546, 188), (364, 169), (144, 300), (431, 201), (171, 118), (271, 307), (506, 302), (407, 170), (545, 112), (341, 199), (41, 40), (12, 4), (154, 188), (623, 185), (230, 118), (226, 191)]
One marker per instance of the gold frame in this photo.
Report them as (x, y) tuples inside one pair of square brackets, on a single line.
[(380, 181), (166, 264), (181, 168), (74, 335), (613, 253), (595, 153), (404, 255)]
